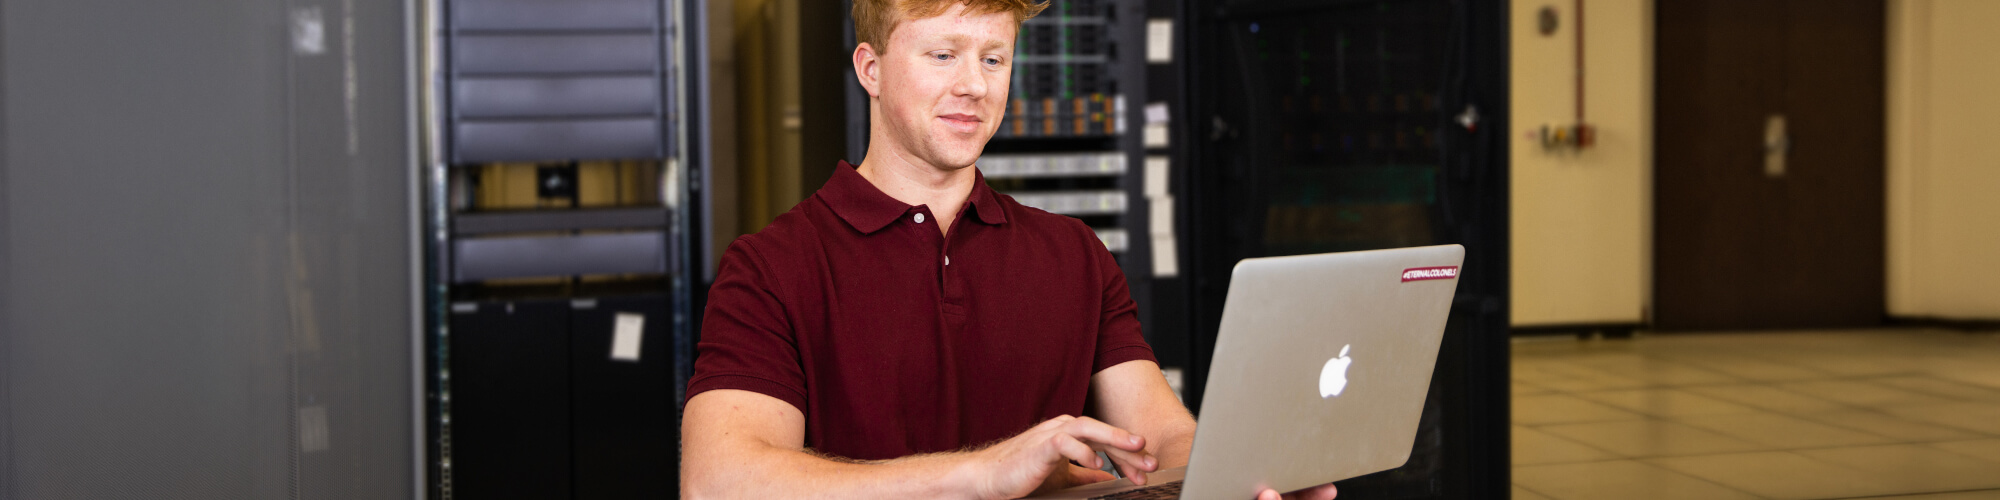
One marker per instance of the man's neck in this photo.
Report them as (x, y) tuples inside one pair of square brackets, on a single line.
[(913, 181)]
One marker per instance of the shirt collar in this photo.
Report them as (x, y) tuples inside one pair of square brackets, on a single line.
[(868, 209)]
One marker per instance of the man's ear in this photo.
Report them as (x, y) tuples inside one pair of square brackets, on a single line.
[(868, 69)]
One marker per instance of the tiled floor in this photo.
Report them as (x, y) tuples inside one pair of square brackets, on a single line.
[(1908, 414)]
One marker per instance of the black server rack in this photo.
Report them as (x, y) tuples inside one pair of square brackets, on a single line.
[(548, 403), (501, 367), (1339, 125), (563, 148), (624, 417)]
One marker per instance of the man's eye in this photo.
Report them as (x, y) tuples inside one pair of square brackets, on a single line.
[(992, 61), (941, 57)]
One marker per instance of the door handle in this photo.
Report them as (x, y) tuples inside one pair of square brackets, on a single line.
[(1777, 145)]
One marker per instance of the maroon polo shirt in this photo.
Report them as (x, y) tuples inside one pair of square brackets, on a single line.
[(894, 339)]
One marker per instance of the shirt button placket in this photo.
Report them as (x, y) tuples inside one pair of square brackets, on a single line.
[(952, 292)]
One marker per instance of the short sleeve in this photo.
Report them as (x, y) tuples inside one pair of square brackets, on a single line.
[(747, 342), (1118, 337)]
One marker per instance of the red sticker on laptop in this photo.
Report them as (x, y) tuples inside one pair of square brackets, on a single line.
[(1430, 273)]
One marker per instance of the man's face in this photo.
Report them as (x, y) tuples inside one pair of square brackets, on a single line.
[(943, 84)]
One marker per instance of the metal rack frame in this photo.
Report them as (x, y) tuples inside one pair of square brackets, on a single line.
[(463, 248)]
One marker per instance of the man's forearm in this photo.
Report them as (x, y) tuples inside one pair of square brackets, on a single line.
[(1175, 450), (1175, 442), (738, 444), (769, 472)]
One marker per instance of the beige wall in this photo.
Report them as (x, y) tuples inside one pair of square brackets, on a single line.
[(1944, 159), (1582, 220), (767, 91), (1580, 233), (791, 69)]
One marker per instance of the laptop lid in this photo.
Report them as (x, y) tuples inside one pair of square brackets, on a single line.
[(1321, 367)]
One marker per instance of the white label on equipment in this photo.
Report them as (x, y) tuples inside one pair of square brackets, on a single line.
[(625, 334), (1157, 171), (1162, 221), (1155, 136), (1156, 113), (1166, 257), (1159, 41)]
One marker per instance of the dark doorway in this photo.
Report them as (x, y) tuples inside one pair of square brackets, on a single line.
[(1769, 164)]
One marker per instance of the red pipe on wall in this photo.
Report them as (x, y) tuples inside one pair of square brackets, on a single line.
[(1579, 62)]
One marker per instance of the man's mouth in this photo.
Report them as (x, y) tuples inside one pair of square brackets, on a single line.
[(962, 122)]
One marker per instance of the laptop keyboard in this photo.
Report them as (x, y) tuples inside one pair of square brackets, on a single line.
[(1162, 491)]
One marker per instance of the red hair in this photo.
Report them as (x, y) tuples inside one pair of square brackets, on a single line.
[(874, 19)]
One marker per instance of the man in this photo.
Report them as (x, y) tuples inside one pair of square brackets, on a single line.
[(907, 332)]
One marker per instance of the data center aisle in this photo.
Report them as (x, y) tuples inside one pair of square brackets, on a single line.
[(1906, 413)]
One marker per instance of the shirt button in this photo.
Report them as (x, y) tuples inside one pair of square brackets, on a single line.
[(920, 218), (947, 260)]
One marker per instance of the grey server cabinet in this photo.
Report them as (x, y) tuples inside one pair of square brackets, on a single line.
[(209, 254)]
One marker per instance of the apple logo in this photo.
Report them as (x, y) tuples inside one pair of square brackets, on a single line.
[(1333, 378)]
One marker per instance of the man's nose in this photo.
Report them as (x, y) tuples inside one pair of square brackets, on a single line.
[(971, 81)]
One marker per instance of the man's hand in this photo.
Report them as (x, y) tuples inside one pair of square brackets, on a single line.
[(1024, 464), (741, 444), (1321, 492), (1069, 476)]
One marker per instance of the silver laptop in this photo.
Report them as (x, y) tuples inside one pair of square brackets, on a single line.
[(1321, 368)]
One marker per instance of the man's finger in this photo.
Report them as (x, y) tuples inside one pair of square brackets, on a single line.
[(1092, 430), (1068, 476), (1051, 424), (1269, 494), (1135, 464), (1081, 476), (1137, 459), (1321, 492), (1068, 447)]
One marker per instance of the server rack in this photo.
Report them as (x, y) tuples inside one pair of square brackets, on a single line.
[(563, 197), (1329, 126)]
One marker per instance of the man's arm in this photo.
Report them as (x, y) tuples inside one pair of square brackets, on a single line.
[(1134, 395), (741, 444)]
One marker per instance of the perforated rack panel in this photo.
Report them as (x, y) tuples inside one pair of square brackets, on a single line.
[(548, 80)]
